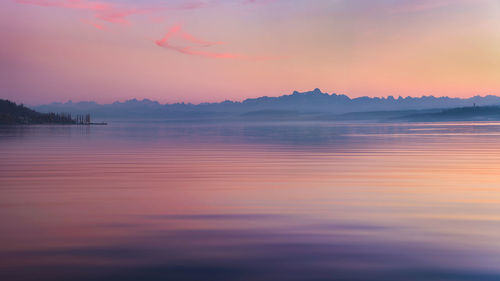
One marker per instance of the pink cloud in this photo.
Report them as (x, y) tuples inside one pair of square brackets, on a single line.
[(104, 11), (94, 24), (190, 45), (180, 41), (118, 13), (176, 39), (113, 12)]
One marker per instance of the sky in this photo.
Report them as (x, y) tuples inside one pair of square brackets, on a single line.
[(214, 50)]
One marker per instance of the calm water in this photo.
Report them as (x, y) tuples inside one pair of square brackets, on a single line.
[(306, 201)]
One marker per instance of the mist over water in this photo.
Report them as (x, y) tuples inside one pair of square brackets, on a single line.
[(259, 201)]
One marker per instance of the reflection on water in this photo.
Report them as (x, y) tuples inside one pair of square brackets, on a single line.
[(301, 201)]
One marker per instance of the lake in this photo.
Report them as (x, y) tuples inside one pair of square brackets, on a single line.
[(256, 201)]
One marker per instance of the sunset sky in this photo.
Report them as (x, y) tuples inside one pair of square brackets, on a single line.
[(212, 50)]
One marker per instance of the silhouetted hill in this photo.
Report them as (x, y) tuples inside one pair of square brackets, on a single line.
[(310, 105), (11, 113)]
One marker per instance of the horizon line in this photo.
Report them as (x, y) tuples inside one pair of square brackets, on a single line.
[(252, 98)]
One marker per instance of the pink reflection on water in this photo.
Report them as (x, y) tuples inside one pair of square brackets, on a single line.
[(388, 198)]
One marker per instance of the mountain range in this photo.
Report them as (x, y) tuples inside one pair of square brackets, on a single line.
[(312, 105)]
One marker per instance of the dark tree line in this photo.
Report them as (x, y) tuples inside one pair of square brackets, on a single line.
[(11, 113)]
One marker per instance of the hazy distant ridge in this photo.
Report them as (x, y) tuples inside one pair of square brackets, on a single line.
[(306, 102)]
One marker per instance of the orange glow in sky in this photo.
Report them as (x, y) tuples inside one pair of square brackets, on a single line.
[(212, 50)]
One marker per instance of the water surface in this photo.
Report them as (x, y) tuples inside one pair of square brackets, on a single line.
[(281, 201)]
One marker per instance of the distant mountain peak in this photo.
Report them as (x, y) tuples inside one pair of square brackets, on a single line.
[(309, 101), (316, 91)]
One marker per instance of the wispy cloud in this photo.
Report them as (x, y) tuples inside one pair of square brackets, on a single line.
[(190, 45), (94, 24), (113, 12), (176, 38), (183, 42), (108, 12)]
